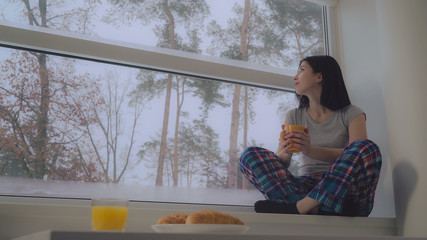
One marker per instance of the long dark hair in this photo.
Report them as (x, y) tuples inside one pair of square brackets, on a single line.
[(334, 93)]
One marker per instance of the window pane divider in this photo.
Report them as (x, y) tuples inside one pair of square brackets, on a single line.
[(27, 37)]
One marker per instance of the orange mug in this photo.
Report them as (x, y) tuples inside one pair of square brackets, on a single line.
[(290, 128)]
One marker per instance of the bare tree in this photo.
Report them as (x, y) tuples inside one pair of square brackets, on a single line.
[(111, 121), (36, 94), (170, 15), (22, 112)]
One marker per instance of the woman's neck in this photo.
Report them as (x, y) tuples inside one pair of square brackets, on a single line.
[(318, 112)]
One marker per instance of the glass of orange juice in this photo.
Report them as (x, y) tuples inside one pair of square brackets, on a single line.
[(109, 214)]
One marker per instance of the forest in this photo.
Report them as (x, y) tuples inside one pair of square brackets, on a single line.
[(74, 120)]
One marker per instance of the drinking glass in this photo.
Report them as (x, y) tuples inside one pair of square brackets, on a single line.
[(109, 214)]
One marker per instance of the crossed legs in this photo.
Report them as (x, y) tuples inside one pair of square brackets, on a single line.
[(348, 188)]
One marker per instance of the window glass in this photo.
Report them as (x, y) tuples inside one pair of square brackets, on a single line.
[(270, 32), (77, 128), (79, 121)]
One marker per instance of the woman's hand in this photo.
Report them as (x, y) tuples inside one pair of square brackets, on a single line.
[(283, 149), (299, 139)]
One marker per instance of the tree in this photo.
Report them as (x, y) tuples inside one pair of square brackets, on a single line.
[(110, 121), (39, 98), (168, 15), (302, 21), (22, 111), (244, 39), (200, 152)]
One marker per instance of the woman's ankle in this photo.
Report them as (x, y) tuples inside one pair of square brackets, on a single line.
[(307, 206)]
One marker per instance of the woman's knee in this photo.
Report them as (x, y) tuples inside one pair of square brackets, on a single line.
[(365, 149), (253, 156), (364, 146), (362, 142), (246, 154), (250, 149)]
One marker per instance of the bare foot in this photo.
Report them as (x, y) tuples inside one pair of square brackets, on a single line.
[(308, 206)]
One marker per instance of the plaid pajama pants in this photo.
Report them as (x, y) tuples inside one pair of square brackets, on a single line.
[(347, 189)]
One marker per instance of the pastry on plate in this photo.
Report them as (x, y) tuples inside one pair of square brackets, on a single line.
[(176, 218), (212, 217)]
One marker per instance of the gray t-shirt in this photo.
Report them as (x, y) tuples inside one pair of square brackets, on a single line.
[(333, 133)]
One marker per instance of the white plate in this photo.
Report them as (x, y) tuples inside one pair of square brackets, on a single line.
[(199, 228)]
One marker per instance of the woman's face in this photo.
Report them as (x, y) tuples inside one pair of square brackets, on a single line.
[(306, 80)]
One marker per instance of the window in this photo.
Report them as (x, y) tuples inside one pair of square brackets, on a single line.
[(150, 102)]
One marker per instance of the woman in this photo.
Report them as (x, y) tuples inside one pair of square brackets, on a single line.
[(340, 166)]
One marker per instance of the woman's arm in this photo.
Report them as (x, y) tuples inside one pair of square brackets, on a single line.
[(356, 131), (357, 128)]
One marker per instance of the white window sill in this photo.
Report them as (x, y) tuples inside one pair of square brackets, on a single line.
[(68, 235), (23, 216)]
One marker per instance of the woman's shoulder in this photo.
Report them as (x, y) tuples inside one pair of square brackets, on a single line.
[(351, 108), (350, 112)]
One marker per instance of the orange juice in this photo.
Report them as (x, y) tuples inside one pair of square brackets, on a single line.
[(109, 218), (290, 128)]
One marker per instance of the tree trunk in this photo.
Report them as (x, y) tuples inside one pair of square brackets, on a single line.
[(163, 143), (179, 102), (244, 32), (245, 128), (41, 140), (43, 116), (235, 115)]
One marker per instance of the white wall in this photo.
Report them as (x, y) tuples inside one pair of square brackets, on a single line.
[(359, 56), (403, 37), (383, 51)]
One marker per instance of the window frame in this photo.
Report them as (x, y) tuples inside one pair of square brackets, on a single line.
[(55, 42), (50, 41)]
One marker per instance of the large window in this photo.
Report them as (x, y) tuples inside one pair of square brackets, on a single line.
[(152, 100)]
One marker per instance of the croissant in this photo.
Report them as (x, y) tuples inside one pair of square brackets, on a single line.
[(176, 218), (181, 215), (212, 217)]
